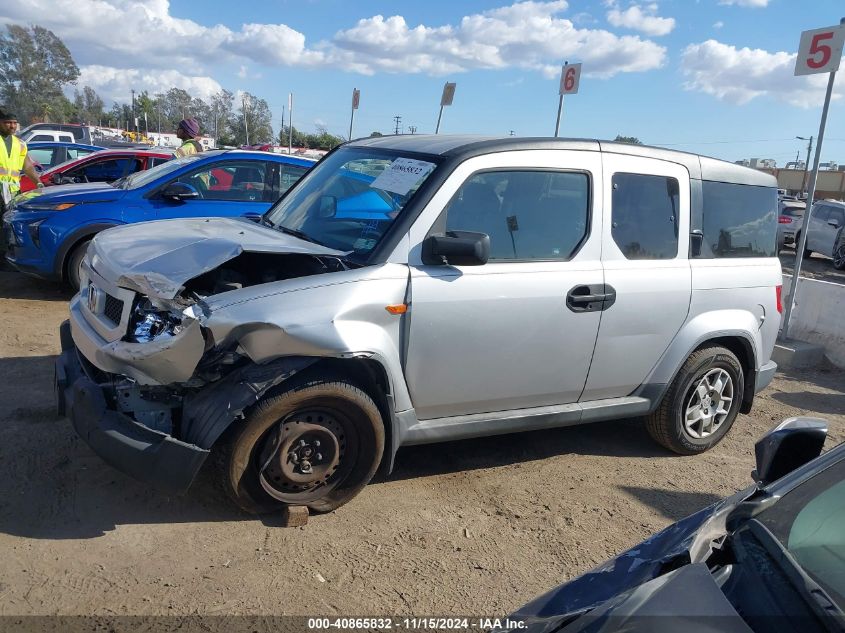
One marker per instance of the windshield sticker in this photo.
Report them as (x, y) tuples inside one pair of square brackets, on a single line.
[(402, 175)]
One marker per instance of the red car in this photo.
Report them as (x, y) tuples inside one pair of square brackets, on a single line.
[(104, 166)]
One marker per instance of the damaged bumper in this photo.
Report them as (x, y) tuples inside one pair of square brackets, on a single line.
[(137, 450)]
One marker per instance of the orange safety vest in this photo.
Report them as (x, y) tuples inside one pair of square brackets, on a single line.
[(11, 163)]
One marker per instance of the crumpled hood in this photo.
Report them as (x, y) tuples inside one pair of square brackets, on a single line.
[(80, 193), (157, 258)]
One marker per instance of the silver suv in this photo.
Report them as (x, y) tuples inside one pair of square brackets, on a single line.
[(826, 234), (416, 289)]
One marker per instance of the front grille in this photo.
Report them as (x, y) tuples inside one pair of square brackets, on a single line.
[(113, 309)]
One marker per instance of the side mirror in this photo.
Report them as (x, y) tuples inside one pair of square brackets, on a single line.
[(456, 248), (328, 207), (179, 191), (788, 446)]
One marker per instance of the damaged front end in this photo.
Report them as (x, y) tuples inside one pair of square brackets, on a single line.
[(141, 375)]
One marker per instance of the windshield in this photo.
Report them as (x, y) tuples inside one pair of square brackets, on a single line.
[(141, 178), (350, 199)]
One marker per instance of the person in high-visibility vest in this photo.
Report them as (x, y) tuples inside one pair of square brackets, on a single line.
[(188, 132), (13, 160)]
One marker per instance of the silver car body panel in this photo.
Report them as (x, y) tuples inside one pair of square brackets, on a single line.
[(466, 350)]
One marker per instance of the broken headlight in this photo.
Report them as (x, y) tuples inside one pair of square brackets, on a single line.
[(148, 323)]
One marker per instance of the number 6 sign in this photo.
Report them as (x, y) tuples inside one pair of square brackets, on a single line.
[(820, 50), (569, 78)]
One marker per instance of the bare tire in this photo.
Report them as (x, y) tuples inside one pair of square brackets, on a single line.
[(74, 264), (839, 253), (315, 444), (701, 404)]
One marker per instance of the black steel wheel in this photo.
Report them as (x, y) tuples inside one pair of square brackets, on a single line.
[(315, 444)]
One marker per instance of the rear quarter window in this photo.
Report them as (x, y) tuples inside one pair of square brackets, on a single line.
[(739, 220)]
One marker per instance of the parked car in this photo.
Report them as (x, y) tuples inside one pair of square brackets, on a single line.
[(768, 559), (825, 232), (48, 231), (103, 166), (81, 134), (50, 154), (414, 289), (790, 216), (47, 135)]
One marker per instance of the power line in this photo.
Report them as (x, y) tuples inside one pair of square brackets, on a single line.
[(762, 140)]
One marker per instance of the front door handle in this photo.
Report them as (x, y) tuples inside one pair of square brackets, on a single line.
[(591, 298)]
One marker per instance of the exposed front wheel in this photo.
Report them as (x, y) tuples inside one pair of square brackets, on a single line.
[(701, 403), (315, 444)]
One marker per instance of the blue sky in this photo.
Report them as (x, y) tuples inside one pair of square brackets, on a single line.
[(710, 76)]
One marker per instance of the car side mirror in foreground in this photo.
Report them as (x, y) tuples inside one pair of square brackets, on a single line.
[(788, 446), (179, 191), (456, 248)]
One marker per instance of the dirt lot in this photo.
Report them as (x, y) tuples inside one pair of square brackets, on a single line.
[(476, 527)]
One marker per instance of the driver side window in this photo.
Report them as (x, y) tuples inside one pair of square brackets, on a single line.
[(242, 181)]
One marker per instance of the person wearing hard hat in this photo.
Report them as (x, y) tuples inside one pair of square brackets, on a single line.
[(188, 131), (13, 160)]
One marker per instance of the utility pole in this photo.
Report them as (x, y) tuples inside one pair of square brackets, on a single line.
[(246, 126), (133, 112), (398, 120), (290, 123), (806, 163)]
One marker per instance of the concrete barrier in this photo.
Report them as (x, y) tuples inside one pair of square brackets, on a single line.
[(819, 316)]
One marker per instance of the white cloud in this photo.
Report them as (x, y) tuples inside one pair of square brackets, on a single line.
[(526, 35), (718, 25), (752, 4), (641, 19), (740, 75), (115, 84)]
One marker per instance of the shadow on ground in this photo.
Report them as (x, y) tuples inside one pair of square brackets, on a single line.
[(15, 285), (672, 504), (52, 485)]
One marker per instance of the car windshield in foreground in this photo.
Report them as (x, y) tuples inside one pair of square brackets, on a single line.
[(142, 178), (350, 199)]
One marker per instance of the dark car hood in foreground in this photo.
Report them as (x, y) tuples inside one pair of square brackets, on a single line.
[(682, 543), (157, 258)]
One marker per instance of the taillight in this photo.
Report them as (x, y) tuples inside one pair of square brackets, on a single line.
[(779, 294), (784, 219)]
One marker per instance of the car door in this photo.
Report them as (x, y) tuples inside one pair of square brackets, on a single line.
[(645, 246), (501, 336), (829, 231), (227, 188), (818, 224)]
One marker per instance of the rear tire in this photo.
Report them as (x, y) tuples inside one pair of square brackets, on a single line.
[(839, 253), (74, 264), (701, 404), (315, 444)]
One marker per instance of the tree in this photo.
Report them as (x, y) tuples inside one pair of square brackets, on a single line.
[(297, 140), (633, 140), (254, 115), (373, 134), (35, 66), (221, 116), (88, 106)]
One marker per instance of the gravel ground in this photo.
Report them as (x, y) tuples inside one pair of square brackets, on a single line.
[(474, 527)]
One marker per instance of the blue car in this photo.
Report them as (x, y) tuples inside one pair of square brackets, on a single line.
[(47, 231), (48, 154)]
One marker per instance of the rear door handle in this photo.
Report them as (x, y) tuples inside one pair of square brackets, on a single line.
[(591, 298)]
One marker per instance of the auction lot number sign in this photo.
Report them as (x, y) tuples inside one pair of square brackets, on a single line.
[(820, 50)]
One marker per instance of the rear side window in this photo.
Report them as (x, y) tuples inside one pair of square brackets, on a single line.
[(645, 216), (739, 220), (528, 215)]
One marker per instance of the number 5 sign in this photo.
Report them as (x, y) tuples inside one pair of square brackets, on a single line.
[(569, 78), (820, 50)]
